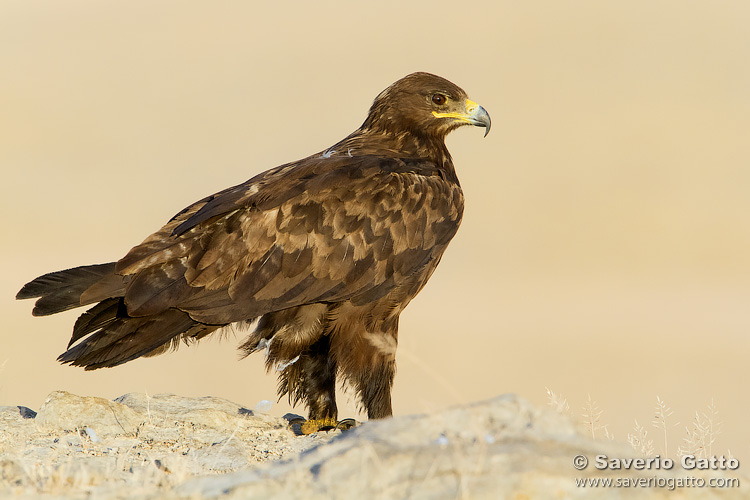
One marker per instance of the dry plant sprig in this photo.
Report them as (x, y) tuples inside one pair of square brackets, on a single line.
[(701, 437), (591, 416), (660, 420), (640, 442), (698, 442), (557, 401)]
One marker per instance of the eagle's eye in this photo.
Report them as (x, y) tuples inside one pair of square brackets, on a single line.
[(439, 99)]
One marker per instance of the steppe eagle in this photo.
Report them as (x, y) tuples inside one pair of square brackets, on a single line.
[(324, 253)]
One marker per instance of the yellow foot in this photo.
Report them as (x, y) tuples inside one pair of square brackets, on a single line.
[(323, 424), (318, 424)]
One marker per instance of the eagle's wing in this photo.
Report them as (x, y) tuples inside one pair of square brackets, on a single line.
[(320, 230)]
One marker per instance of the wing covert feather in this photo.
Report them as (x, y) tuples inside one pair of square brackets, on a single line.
[(325, 230)]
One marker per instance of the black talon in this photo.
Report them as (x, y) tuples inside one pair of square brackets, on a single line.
[(346, 424)]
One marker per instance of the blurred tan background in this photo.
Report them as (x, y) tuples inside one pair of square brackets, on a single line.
[(605, 248)]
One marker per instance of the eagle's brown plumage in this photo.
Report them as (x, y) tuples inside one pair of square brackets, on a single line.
[(325, 252)]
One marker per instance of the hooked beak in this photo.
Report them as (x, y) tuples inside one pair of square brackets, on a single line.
[(478, 116), (475, 115)]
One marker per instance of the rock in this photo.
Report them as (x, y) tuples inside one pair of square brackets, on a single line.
[(226, 455), (133, 446), (222, 435), (8, 412), (502, 448), (12, 473), (68, 412), (207, 411), (14, 421), (200, 448)]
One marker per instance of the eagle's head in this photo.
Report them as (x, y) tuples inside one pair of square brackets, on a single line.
[(424, 104)]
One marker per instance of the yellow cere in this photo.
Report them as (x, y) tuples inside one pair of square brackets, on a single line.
[(471, 107)]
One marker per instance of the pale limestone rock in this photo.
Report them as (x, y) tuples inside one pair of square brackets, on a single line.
[(68, 412), (206, 411), (502, 448), (200, 448)]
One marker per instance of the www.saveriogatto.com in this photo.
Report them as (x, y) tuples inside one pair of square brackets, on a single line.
[(658, 464)]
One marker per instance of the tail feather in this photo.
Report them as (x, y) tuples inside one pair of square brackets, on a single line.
[(98, 317), (106, 335), (62, 290), (115, 338)]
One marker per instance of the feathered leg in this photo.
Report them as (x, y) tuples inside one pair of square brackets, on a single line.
[(374, 389), (319, 382), (312, 380), (368, 363)]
